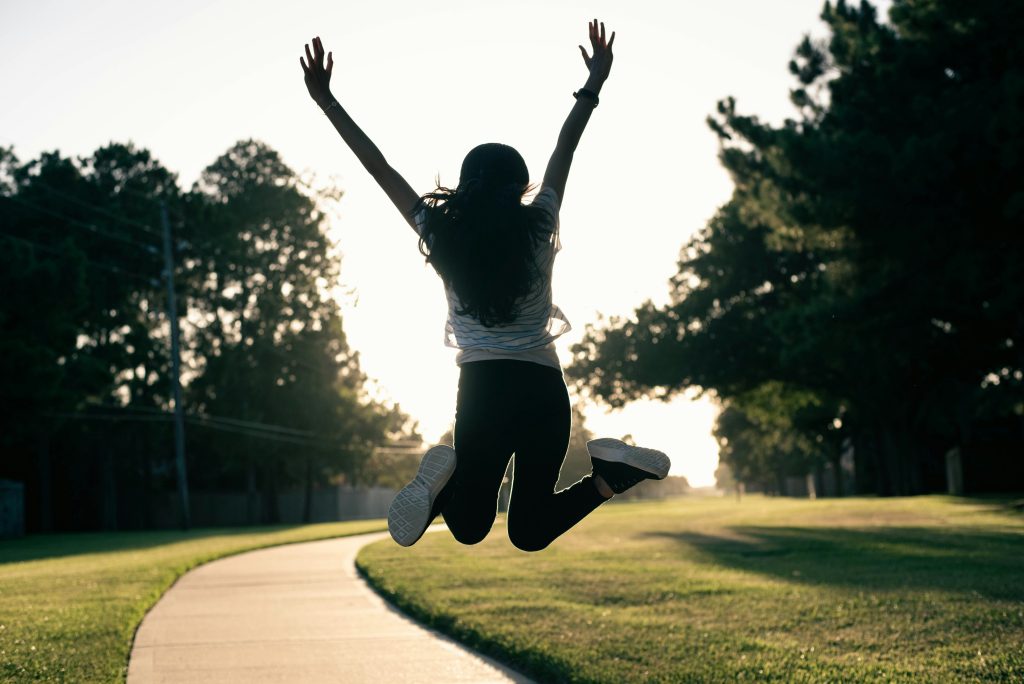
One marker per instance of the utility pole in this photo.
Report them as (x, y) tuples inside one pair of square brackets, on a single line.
[(179, 422)]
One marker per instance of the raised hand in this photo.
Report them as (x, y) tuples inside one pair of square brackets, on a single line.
[(600, 63), (318, 76)]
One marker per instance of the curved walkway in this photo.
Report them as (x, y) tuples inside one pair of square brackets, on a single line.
[(293, 613)]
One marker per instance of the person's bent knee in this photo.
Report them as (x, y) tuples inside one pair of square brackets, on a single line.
[(470, 536), (530, 545), (525, 531), (527, 542), (472, 532)]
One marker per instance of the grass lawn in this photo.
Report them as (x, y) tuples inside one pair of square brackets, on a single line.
[(70, 603), (927, 589)]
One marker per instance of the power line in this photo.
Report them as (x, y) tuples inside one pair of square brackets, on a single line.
[(97, 416), (99, 210), (88, 261), (395, 452), (261, 426), (278, 433), (196, 420), (178, 222), (406, 444), (131, 222), (326, 444), (225, 421), (190, 242), (202, 421), (151, 249), (143, 409), (140, 194), (253, 427)]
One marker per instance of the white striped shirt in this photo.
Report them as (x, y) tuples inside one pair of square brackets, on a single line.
[(532, 334)]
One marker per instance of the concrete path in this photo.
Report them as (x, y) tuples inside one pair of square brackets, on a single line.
[(294, 613)]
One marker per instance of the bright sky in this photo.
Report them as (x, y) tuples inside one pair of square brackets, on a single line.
[(427, 82)]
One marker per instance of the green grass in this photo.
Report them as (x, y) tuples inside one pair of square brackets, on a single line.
[(70, 603), (927, 589)]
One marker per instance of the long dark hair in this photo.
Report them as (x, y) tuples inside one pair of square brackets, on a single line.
[(481, 239)]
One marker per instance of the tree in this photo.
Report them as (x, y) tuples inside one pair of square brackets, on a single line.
[(78, 332), (870, 255), (272, 387), (267, 335), (725, 480), (773, 432)]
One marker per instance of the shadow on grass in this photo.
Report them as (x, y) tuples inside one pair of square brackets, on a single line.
[(999, 503), (41, 546), (987, 563)]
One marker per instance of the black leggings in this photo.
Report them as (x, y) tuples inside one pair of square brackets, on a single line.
[(507, 407)]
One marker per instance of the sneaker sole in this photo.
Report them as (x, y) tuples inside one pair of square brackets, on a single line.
[(649, 460), (409, 513)]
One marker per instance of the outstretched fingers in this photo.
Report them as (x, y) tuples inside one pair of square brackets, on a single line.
[(314, 62), (318, 48), (599, 60), (598, 36)]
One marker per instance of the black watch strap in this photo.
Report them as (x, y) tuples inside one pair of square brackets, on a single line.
[(589, 94)]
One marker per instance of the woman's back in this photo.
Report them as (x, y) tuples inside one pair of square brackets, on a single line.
[(537, 321)]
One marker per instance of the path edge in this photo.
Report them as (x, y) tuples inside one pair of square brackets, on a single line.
[(524, 662)]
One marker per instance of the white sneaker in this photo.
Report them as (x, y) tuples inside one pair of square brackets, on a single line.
[(409, 514), (621, 466)]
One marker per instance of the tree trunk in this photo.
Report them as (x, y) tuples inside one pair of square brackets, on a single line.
[(108, 489), (954, 473), (837, 472), (812, 488), (893, 465), (879, 472), (271, 510), (913, 460), (873, 477), (307, 505), (45, 474), (252, 499), (863, 481), (148, 490)]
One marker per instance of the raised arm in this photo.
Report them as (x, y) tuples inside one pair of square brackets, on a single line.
[(599, 65), (318, 81)]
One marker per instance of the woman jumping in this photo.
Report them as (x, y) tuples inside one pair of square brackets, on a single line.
[(495, 255)]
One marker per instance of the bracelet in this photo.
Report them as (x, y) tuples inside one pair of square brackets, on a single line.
[(588, 94), (334, 103)]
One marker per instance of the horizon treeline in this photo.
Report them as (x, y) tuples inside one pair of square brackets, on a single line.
[(273, 395), (861, 295)]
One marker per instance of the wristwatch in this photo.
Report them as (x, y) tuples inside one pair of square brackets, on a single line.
[(589, 94)]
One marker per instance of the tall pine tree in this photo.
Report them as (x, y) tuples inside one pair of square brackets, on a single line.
[(870, 256)]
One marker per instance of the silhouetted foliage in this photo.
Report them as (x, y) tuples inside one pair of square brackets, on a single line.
[(273, 395), (865, 280)]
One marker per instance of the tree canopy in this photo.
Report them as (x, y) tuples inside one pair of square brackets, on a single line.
[(863, 285), (273, 394)]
